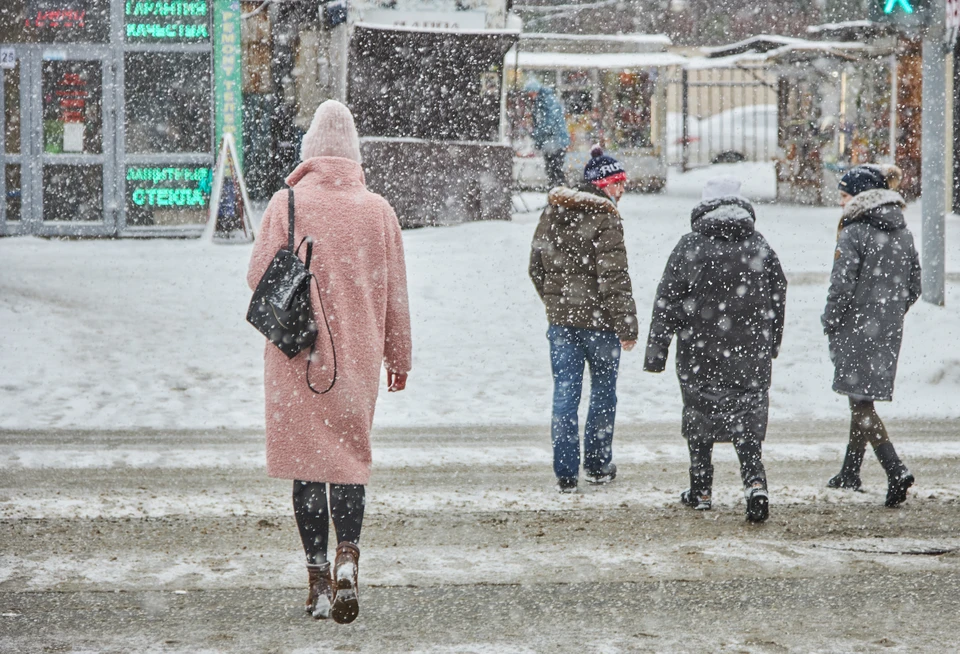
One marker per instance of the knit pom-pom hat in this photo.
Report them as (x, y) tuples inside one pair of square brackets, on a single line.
[(602, 169), (332, 133), (868, 177)]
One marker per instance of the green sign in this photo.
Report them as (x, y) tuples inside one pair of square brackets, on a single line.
[(895, 5), (167, 20), (169, 186), (903, 13), (228, 78)]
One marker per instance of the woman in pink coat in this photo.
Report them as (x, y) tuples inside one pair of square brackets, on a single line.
[(320, 439)]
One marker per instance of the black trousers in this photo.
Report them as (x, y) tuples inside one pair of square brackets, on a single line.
[(553, 162), (749, 451), (313, 510), (740, 419)]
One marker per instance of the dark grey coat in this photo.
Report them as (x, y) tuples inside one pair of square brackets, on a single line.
[(875, 280), (723, 293)]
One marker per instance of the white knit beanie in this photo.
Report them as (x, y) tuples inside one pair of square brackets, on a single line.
[(331, 134), (721, 187)]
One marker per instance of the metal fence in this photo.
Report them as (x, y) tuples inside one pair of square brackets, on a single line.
[(721, 115)]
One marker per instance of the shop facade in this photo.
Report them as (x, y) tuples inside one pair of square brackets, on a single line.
[(110, 114), (836, 107), (613, 89)]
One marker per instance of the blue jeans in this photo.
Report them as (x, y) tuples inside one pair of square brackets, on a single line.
[(570, 348)]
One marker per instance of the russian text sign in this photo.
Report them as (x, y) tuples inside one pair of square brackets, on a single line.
[(163, 21), (169, 186), (228, 74)]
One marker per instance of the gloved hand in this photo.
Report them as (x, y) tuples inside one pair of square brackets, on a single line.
[(396, 381)]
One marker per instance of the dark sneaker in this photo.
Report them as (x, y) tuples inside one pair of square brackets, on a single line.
[(758, 503), (696, 501), (567, 484), (897, 489), (841, 481), (605, 475)]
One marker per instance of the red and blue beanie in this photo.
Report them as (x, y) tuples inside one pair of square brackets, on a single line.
[(602, 169)]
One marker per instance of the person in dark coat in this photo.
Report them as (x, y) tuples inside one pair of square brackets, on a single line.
[(723, 294), (578, 264), (875, 280), (550, 134)]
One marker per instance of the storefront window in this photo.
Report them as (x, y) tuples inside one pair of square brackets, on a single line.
[(576, 91), (633, 100), (11, 109), (54, 21), (166, 21), (72, 107), (168, 102), (73, 193), (12, 174), (167, 195)]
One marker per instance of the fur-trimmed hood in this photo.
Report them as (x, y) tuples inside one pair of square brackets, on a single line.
[(882, 208), (730, 218), (586, 198)]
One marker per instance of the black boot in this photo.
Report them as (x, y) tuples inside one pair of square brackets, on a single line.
[(849, 475), (758, 501), (701, 486), (899, 478)]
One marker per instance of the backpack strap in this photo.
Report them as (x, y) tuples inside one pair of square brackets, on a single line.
[(290, 213)]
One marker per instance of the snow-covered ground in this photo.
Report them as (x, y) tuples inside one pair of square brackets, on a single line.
[(118, 334)]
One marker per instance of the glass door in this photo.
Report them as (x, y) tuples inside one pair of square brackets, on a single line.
[(11, 178), (72, 186)]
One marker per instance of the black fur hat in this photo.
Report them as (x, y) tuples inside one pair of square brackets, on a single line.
[(870, 176)]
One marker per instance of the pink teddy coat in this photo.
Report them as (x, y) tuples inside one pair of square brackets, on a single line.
[(358, 262)]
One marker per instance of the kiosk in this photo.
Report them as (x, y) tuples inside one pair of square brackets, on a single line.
[(614, 92)]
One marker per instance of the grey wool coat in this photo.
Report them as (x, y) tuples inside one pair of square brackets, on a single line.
[(723, 294), (875, 280)]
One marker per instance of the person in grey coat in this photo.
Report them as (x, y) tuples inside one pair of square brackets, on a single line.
[(875, 280), (723, 294)]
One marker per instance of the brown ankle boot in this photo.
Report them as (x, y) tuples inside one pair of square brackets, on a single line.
[(346, 602), (320, 598)]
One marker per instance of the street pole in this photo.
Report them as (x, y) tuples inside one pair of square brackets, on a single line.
[(685, 113), (933, 145)]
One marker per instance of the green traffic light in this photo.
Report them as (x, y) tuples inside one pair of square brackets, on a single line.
[(891, 6)]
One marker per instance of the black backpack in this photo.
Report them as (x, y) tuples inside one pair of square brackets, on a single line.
[(281, 309)]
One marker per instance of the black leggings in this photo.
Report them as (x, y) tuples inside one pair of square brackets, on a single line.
[(313, 516), (866, 426)]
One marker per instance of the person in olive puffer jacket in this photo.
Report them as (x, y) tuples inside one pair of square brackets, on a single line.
[(578, 264)]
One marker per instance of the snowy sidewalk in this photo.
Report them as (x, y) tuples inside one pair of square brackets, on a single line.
[(113, 334)]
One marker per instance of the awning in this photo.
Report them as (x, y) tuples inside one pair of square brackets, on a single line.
[(765, 49), (584, 61)]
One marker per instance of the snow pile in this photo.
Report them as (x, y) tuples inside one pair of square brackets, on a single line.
[(119, 334)]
